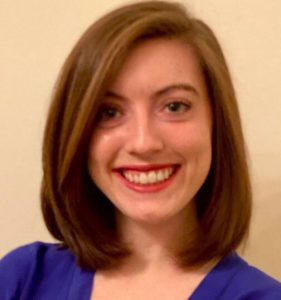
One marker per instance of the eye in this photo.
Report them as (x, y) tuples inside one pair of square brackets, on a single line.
[(108, 112), (177, 107)]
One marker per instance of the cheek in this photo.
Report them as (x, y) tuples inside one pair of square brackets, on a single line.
[(103, 148), (191, 139)]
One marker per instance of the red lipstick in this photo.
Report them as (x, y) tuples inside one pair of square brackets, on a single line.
[(146, 188)]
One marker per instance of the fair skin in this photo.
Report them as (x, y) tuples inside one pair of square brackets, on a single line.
[(150, 154)]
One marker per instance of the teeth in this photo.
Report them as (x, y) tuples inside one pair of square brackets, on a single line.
[(166, 173), (136, 178), (130, 177), (148, 178), (152, 177), (160, 176), (143, 178)]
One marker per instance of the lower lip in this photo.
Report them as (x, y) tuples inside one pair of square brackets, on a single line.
[(153, 188)]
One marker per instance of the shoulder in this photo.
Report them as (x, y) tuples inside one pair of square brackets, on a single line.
[(251, 283), (37, 255), (26, 267)]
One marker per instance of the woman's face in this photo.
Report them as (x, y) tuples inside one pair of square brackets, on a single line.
[(151, 149)]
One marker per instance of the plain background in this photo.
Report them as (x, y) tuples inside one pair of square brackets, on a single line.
[(36, 36)]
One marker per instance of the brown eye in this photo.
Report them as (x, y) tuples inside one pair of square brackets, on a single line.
[(177, 106), (107, 113), (110, 113)]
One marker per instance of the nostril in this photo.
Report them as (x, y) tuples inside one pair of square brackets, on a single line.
[(145, 144)]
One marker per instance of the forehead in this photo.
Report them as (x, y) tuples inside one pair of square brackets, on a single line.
[(155, 63)]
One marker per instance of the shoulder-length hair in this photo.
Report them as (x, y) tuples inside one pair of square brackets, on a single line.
[(75, 210)]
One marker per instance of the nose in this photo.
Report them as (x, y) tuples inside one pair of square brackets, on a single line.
[(145, 138)]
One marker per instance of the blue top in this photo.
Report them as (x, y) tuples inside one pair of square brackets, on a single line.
[(45, 271)]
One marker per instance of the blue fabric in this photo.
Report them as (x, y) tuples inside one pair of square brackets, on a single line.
[(42, 271)]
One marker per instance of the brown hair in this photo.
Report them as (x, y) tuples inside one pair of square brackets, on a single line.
[(75, 210)]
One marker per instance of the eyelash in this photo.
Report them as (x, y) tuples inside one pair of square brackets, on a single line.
[(183, 105), (110, 112), (107, 112)]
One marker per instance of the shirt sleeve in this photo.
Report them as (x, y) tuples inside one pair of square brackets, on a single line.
[(252, 284), (37, 271), (15, 272)]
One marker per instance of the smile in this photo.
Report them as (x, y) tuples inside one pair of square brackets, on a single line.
[(148, 178)]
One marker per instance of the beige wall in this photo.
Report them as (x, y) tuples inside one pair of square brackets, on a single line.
[(35, 37)]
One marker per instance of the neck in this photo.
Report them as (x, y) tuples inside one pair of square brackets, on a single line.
[(155, 244)]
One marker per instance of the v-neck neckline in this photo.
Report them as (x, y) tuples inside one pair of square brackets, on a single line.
[(211, 287)]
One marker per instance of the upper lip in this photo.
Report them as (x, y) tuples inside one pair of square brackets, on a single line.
[(145, 168)]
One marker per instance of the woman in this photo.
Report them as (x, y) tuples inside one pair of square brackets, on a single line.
[(145, 183)]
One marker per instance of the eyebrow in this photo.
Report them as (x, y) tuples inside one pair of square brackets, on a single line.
[(165, 90), (177, 86)]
